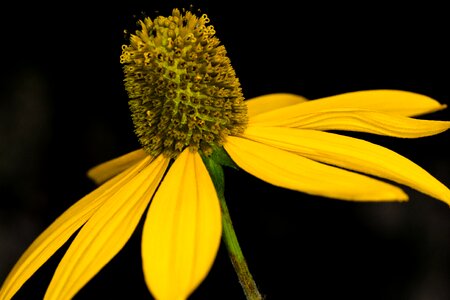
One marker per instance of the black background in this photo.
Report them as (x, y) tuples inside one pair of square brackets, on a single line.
[(63, 109)]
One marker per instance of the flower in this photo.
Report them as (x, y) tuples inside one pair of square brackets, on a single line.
[(186, 105)]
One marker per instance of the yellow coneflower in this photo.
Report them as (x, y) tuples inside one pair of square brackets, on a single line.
[(191, 118)]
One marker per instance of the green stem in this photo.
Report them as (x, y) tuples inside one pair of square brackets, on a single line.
[(236, 255), (214, 165)]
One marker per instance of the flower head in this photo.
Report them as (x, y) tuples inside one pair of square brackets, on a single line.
[(186, 105), (183, 91)]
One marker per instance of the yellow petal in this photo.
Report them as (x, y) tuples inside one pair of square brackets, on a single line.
[(366, 121), (109, 169), (106, 232), (265, 103), (288, 170), (390, 101), (59, 232), (182, 230), (353, 154)]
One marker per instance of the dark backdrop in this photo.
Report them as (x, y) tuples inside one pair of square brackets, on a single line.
[(63, 109)]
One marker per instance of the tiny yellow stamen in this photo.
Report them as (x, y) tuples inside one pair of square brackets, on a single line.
[(183, 90)]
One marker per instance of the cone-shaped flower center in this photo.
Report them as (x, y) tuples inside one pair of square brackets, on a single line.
[(183, 91)]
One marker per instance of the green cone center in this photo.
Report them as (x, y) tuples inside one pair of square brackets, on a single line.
[(183, 91)]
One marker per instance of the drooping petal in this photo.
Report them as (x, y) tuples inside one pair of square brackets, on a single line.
[(367, 121), (353, 154), (182, 230), (289, 170), (111, 168), (390, 101), (265, 103), (60, 231), (106, 232)]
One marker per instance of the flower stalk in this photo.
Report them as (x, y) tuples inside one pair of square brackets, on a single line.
[(236, 256), (214, 165)]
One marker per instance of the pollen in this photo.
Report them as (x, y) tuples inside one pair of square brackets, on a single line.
[(182, 89)]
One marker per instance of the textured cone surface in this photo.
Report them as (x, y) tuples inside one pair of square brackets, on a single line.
[(183, 91)]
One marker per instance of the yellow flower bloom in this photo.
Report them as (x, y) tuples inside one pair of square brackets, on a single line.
[(186, 102)]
